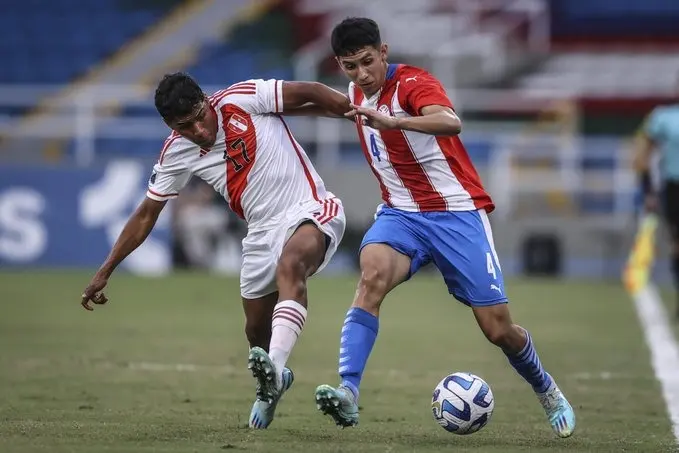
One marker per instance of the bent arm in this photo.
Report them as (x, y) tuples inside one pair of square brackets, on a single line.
[(435, 120), (643, 151), (134, 233)]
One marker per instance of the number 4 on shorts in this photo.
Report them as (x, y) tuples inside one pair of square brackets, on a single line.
[(491, 265)]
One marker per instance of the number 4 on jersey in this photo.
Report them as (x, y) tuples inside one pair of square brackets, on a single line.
[(374, 150)]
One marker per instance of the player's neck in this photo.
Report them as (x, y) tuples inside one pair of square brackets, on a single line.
[(377, 92), (368, 95)]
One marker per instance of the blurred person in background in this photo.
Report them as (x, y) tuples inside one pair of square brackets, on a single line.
[(658, 142), (207, 234), (236, 141), (199, 224)]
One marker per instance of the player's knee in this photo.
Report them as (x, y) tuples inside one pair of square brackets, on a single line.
[(374, 282), (382, 268), (291, 276)]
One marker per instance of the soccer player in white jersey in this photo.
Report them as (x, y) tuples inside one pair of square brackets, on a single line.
[(435, 211), (236, 141)]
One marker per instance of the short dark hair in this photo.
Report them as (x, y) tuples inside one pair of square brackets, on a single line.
[(177, 96), (353, 34)]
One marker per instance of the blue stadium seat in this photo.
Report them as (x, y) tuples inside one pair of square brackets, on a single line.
[(217, 64), (53, 42), (37, 28), (591, 203)]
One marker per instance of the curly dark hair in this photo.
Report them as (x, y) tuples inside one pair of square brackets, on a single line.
[(353, 34), (177, 96)]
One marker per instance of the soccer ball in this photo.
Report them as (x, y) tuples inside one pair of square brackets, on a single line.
[(462, 403)]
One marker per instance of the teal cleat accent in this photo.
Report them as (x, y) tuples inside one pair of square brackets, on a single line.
[(270, 387), (339, 403), (559, 411)]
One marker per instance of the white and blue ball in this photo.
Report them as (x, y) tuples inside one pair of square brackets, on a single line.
[(462, 403)]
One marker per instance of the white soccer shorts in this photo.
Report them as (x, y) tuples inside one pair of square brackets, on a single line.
[(262, 249)]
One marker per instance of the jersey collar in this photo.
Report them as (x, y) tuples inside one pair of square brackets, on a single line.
[(391, 70), (388, 79)]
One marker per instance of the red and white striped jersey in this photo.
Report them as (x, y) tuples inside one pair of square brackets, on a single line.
[(255, 164), (417, 172)]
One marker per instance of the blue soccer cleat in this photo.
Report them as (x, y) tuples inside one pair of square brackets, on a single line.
[(270, 387), (339, 403), (558, 410)]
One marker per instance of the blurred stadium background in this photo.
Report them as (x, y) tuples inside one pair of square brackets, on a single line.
[(550, 93)]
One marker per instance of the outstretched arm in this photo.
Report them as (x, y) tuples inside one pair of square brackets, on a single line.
[(313, 99), (133, 235), (311, 110), (435, 120)]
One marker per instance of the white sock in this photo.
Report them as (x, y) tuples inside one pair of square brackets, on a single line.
[(288, 321)]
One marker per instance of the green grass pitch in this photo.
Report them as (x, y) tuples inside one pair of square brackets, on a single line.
[(162, 368)]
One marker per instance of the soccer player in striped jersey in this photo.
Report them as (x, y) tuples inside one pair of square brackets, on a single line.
[(435, 210), (236, 141)]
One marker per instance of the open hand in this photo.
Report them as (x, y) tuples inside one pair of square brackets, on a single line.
[(372, 118)]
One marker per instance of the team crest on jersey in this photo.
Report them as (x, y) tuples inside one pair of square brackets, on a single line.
[(384, 110), (237, 124)]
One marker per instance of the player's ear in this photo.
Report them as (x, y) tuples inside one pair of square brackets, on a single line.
[(384, 51)]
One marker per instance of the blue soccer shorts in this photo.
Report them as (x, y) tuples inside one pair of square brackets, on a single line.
[(459, 243)]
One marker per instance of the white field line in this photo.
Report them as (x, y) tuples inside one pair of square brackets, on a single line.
[(664, 349)]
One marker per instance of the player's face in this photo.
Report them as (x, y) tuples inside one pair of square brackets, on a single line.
[(367, 68), (200, 127)]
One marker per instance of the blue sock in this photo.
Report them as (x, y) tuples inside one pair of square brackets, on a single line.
[(527, 364), (358, 337)]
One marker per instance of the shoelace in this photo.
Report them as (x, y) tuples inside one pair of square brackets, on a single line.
[(550, 401)]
